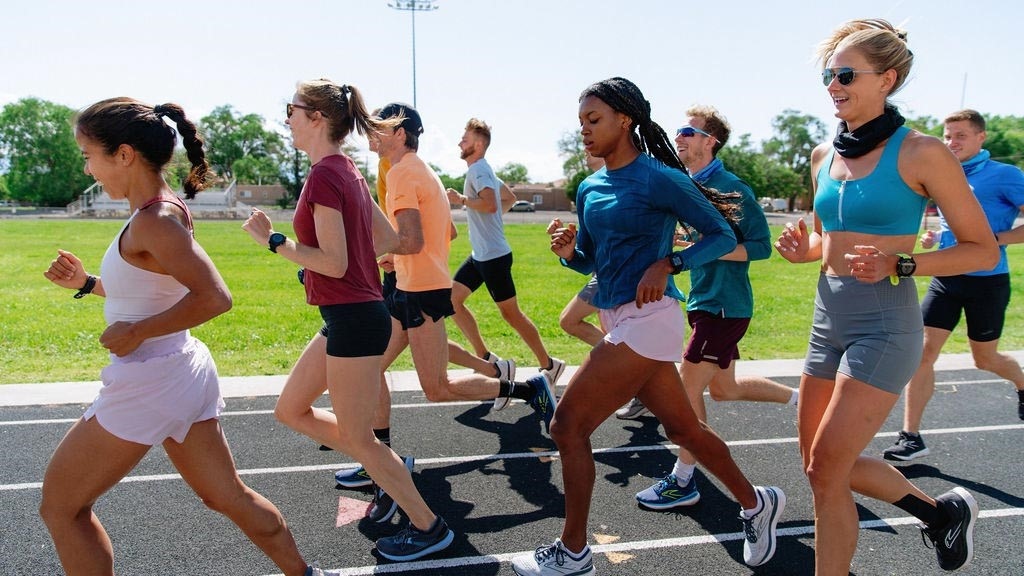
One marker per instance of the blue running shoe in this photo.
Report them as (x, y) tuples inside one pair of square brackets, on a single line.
[(359, 477), (411, 544), (667, 493), (543, 400)]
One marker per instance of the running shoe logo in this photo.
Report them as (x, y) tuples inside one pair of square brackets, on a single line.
[(953, 535)]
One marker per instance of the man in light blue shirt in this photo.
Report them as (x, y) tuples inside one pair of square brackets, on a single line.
[(490, 262)]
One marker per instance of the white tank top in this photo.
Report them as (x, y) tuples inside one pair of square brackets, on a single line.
[(133, 294)]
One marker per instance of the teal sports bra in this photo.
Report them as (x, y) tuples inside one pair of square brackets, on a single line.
[(880, 203)]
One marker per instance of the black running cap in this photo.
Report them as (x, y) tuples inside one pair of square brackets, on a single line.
[(411, 121)]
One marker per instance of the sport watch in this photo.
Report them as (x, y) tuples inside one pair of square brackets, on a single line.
[(275, 241), (905, 265), (676, 259)]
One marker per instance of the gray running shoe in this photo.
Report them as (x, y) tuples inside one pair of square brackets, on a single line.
[(632, 411)]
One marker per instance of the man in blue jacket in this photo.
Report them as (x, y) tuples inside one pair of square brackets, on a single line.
[(720, 303), (981, 296)]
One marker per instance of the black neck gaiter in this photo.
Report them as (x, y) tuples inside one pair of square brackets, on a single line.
[(869, 136)]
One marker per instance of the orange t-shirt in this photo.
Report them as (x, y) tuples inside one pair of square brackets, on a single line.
[(412, 185)]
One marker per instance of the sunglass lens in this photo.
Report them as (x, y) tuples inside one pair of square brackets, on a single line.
[(845, 76), (288, 110), (686, 132)]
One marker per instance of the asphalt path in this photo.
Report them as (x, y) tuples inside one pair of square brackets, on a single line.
[(496, 479)]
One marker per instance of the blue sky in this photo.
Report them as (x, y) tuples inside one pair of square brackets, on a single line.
[(518, 65)]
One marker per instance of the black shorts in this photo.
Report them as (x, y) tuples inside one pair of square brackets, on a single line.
[(389, 283), (982, 299), (356, 330), (713, 338), (409, 308), (495, 273)]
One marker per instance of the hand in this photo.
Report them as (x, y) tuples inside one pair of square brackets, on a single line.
[(652, 285), (563, 242), (928, 239), (66, 271), (120, 338), (794, 242), (454, 197), (869, 264), (259, 227), (387, 263), (554, 225)]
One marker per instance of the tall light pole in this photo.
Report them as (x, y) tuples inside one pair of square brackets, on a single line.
[(413, 6)]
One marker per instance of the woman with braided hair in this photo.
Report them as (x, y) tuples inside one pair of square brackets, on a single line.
[(872, 183), (627, 219), (339, 232), (161, 384)]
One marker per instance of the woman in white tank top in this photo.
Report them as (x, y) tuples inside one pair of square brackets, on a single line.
[(161, 385)]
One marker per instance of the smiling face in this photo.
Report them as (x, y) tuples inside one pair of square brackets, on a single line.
[(963, 138), (103, 167), (469, 144), (300, 124), (604, 130), (695, 151), (864, 98)]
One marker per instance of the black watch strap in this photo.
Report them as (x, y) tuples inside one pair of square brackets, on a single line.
[(90, 283)]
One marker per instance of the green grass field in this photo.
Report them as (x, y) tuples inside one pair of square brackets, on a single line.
[(47, 336)]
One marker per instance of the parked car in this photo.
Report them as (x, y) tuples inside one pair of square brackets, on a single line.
[(522, 206)]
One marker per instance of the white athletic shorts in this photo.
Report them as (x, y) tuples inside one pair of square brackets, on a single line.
[(158, 391), (655, 331)]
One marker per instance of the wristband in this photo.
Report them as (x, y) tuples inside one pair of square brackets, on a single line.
[(90, 283)]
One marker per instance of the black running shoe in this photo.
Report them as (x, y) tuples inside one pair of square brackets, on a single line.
[(383, 507), (954, 542), (907, 447), (1020, 404), (411, 544)]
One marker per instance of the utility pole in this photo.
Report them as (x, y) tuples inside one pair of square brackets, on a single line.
[(413, 6)]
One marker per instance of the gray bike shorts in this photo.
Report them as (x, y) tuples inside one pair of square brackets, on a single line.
[(870, 332)]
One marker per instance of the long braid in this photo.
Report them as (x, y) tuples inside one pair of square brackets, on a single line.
[(625, 97)]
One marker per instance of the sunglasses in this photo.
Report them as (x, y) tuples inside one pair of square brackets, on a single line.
[(844, 74), (289, 109), (690, 131)]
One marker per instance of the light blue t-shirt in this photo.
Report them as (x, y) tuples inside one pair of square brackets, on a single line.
[(999, 189), (486, 231), (627, 221)]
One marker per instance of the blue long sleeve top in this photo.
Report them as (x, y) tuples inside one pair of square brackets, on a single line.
[(627, 220), (722, 287)]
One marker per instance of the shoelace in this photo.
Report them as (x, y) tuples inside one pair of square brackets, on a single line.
[(545, 552), (665, 482), (748, 528)]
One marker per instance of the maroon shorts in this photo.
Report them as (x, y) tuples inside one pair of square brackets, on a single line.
[(713, 338)]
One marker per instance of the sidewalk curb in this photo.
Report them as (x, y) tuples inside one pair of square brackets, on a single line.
[(247, 386)]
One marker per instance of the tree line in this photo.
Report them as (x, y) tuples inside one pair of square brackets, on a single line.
[(40, 163)]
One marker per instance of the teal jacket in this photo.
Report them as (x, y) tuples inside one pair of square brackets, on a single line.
[(722, 287)]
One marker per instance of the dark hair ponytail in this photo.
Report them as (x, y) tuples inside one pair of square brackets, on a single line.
[(118, 121), (626, 98)]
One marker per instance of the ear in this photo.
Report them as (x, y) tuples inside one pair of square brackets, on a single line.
[(125, 154), (888, 80), (983, 135)]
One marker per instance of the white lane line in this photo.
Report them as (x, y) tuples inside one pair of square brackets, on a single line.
[(233, 413), (518, 455), (635, 546)]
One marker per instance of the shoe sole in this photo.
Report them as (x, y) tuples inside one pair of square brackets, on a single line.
[(681, 503), (972, 505), (441, 545), (585, 572), (901, 458), (500, 403), (780, 506)]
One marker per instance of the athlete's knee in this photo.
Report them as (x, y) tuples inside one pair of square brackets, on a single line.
[(440, 391), (990, 360), (724, 392), (56, 511)]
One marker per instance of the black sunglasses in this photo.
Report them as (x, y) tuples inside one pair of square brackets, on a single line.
[(289, 109), (844, 74)]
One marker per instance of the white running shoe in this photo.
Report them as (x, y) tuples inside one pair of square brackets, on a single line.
[(554, 560), (507, 372), (759, 531)]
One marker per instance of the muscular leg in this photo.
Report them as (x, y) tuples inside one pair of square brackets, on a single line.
[(459, 355), (525, 328), (429, 345), (987, 357), (573, 321), (465, 320), (399, 341), (205, 463), (609, 376), (696, 377), (836, 422), (87, 463), (922, 383)]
